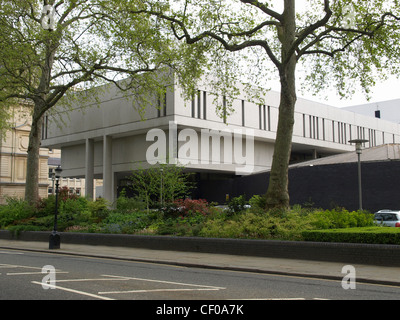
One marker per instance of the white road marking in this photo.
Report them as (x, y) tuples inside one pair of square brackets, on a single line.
[(9, 252), (156, 290), (169, 282), (27, 273), (12, 266), (197, 287), (94, 279), (8, 266), (75, 291)]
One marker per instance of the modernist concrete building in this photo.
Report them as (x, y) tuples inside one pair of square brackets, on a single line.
[(386, 110), (74, 185), (109, 139)]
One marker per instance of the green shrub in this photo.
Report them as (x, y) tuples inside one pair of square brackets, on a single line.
[(183, 209), (237, 205), (45, 223), (185, 217), (258, 203), (73, 211), (341, 218), (160, 184), (74, 206), (126, 204), (371, 235), (64, 194), (98, 209), (190, 225), (189, 206), (192, 218), (46, 206), (15, 210), (117, 222), (17, 229), (174, 228), (257, 226)]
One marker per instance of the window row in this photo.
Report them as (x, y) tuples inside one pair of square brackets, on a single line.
[(241, 115), (71, 191), (336, 131), (199, 105), (265, 117)]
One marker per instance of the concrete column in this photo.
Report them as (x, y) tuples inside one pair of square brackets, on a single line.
[(108, 181), (172, 143), (315, 154), (89, 169)]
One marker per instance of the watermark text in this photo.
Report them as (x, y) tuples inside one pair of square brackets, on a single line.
[(204, 147)]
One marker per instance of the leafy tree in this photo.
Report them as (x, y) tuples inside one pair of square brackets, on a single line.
[(162, 183), (340, 42), (51, 50)]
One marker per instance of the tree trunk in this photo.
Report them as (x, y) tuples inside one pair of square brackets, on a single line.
[(32, 166), (278, 189), (278, 193), (35, 136)]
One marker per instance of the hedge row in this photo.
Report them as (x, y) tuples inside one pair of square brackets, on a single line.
[(370, 235)]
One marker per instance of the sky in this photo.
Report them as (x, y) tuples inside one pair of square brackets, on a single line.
[(383, 91)]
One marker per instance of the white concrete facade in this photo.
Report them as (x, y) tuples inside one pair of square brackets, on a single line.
[(108, 140), (386, 110)]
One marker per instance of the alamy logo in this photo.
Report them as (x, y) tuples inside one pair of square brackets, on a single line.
[(349, 280), (49, 280), (204, 147), (48, 19), (349, 16)]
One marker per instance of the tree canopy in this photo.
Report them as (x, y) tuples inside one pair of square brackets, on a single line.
[(51, 48), (340, 43), (347, 44)]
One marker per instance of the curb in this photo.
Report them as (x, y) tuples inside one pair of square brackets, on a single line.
[(348, 253), (210, 266)]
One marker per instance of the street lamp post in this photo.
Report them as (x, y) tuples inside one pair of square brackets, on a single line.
[(53, 179), (359, 143), (54, 240)]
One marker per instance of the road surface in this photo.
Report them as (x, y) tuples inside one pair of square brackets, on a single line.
[(28, 275)]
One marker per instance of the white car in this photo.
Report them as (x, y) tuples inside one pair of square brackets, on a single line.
[(387, 218)]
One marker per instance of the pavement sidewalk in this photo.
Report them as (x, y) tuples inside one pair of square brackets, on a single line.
[(289, 267)]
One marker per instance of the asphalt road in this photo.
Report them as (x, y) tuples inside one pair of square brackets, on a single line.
[(22, 277)]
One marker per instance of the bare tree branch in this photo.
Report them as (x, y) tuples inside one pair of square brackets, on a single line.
[(228, 46), (264, 9)]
